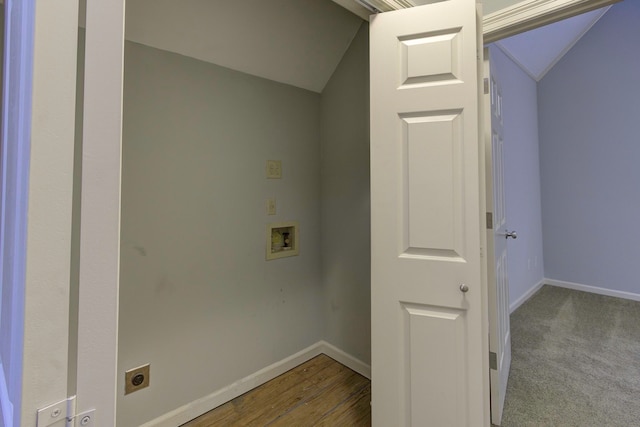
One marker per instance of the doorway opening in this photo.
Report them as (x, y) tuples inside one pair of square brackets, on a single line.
[(558, 136)]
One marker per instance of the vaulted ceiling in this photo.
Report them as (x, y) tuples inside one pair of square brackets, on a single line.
[(537, 51), (297, 42), (301, 42)]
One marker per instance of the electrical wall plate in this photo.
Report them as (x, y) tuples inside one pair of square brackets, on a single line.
[(271, 206), (274, 169), (136, 379), (283, 239)]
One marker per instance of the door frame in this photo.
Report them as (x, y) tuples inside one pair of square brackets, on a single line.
[(532, 14), (506, 22), (97, 370), (100, 252)]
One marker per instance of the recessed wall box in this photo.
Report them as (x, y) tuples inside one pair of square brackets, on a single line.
[(136, 378), (283, 239)]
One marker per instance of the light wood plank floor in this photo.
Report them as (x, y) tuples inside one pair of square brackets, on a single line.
[(320, 392)]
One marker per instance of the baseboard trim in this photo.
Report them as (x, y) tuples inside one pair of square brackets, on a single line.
[(346, 359), (517, 303), (5, 402), (198, 407), (593, 289)]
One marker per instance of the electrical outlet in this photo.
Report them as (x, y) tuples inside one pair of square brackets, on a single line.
[(136, 379), (271, 206), (274, 169)]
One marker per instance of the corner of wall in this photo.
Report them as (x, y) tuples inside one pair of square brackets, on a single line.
[(345, 206)]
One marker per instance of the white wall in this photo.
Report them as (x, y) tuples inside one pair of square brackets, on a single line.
[(198, 300), (588, 108), (345, 202), (521, 173), (37, 155), (13, 231)]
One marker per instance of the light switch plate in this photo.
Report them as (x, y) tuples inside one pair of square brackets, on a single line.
[(274, 169), (271, 206)]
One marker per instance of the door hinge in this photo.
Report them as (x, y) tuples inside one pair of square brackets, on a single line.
[(493, 361), (490, 220), (65, 411), (486, 85)]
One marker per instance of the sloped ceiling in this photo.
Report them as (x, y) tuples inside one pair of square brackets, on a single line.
[(297, 42), (537, 51), (301, 42)]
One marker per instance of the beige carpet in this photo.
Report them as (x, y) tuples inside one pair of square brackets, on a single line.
[(576, 361)]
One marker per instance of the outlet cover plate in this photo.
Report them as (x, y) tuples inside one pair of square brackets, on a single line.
[(271, 206), (274, 169), (129, 386)]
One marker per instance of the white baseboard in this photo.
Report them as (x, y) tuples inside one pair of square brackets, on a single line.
[(517, 303), (346, 359), (7, 406), (198, 407), (593, 289)]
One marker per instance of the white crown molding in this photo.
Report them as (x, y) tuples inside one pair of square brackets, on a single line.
[(512, 20), (531, 14), (354, 7)]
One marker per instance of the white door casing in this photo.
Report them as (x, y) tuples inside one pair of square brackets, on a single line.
[(498, 282), (100, 212), (109, 33), (429, 338)]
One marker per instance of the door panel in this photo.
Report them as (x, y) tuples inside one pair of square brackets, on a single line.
[(433, 146), (429, 328), (498, 281), (429, 349)]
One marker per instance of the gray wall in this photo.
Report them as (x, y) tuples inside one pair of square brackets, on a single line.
[(521, 173), (345, 209), (490, 6), (589, 106), (197, 298)]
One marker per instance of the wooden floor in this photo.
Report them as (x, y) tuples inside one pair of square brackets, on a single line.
[(320, 392)]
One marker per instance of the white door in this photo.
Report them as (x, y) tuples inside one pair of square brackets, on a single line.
[(429, 313), (499, 331)]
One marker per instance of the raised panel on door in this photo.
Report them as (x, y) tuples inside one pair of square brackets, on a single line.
[(429, 349), (432, 146), (428, 328)]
